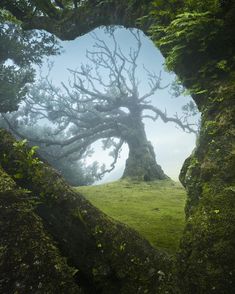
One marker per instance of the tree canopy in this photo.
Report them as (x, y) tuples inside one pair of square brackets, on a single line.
[(19, 51), (102, 101), (60, 17), (198, 40)]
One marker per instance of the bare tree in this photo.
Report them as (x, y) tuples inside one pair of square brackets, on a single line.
[(102, 101)]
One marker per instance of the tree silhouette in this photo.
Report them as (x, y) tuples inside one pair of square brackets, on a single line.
[(19, 50), (103, 101)]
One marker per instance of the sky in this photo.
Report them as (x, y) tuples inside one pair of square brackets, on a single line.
[(172, 146)]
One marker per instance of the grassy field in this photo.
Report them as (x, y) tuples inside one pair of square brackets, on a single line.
[(154, 209)]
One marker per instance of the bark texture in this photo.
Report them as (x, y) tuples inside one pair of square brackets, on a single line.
[(207, 259), (205, 64), (29, 259), (206, 262), (141, 163), (109, 257)]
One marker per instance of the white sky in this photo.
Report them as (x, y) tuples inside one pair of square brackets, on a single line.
[(172, 146)]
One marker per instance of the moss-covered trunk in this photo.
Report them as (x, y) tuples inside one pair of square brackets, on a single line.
[(109, 257), (207, 257), (29, 259), (141, 163), (197, 38), (199, 46)]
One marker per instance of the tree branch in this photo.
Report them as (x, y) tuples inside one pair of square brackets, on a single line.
[(163, 115), (115, 155), (67, 23)]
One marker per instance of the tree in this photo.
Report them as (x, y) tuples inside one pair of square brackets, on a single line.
[(19, 50), (72, 167), (103, 102), (199, 35), (54, 221), (87, 14)]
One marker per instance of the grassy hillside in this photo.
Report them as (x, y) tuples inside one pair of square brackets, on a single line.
[(154, 209)]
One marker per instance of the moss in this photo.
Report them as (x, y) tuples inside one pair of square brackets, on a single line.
[(196, 47), (30, 261), (197, 38), (6, 182), (206, 260), (207, 67), (141, 164), (72, 221)]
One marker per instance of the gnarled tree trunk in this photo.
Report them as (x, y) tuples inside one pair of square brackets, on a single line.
[(207, 259), (29, 259), (141, 163), (109, 256)]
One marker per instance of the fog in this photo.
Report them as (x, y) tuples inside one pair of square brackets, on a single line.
[(171, 145)]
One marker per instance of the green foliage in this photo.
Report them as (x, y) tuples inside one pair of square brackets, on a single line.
[(210, 127), (203, 6), (13, 87), (164, 11), (187, 30), (188, 36), (6, 16), (6, 182), (72, 221), (19, 50), (27, 162), (223, 65), (155, 210), (72, 167)]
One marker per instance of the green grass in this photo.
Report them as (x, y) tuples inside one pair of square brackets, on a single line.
[(154, 209)]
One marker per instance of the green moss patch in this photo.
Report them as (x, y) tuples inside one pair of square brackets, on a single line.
[(109, 256), (29, 259)]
